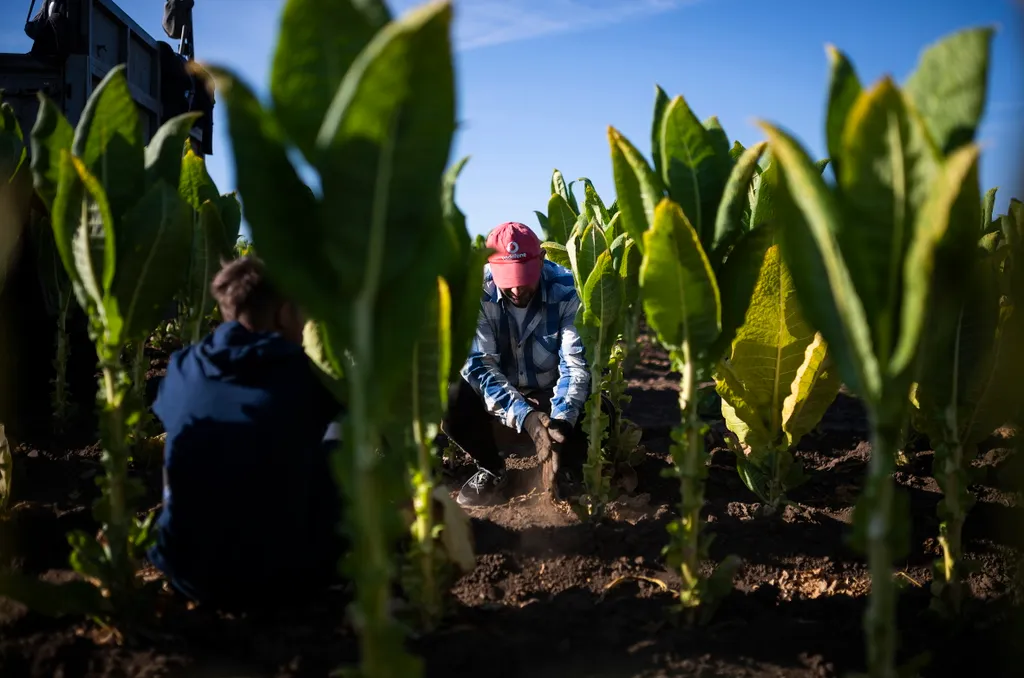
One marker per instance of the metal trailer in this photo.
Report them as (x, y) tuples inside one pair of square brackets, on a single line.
[(102, 35)]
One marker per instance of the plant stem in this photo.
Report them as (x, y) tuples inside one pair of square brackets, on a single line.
[(691, 487), (954, 512), (60, 390), (423, 529), (880, 616), (115, 457), (595, 465)]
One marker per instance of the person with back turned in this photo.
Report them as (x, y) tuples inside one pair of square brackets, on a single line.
[(250, 509)]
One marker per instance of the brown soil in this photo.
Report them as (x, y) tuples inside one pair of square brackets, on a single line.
[(552, 596)]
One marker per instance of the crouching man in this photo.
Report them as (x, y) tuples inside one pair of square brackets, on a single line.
[(526, 368), (250, 508)]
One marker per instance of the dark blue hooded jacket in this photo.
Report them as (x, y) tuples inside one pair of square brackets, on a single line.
[(248, 496)]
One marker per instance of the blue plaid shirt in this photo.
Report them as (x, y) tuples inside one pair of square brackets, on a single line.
[(502, 366)]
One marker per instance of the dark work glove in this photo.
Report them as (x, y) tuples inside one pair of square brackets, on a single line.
[(559, 430)]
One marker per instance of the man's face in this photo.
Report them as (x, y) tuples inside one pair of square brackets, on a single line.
[(521, 296)]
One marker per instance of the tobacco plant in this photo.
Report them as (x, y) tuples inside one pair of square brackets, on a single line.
[(369, 102), (120, 230), (216, 219), (778, 379), (699, 263), (968, 386), (876, 261), (57, 295)]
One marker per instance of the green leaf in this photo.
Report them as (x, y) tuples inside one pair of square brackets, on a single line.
[(768, 349), (317, 44), (950, 84), (454, 216), (163, 156), (158, 241), (729, 221), (109, 140), (736, 150), (466, 308), (693, 171), (988, 207), (945, 233), (808, 219), (629, 269), (281, 211), (50, 135), (678, 287), (888, 168), (603, 308), (12, 143), (812, 390), (843, 90), (557, 253), (561, 218), (744, 417), (736, 280), (93, 241), (558, 186), (385, 144), (661, 102), (432, 366), (720, 140), (397, 101), (208, 247), (583, 253), (638, 188)]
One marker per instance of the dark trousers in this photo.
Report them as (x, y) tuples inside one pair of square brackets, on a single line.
[(470, 426)]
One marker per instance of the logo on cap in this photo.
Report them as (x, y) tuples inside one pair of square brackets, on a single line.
[(513, 252)]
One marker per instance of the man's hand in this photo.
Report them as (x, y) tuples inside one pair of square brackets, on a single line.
[(548, 435)]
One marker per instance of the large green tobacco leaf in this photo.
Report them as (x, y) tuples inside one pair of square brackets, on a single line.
[(661, 102), (281, 211), (736, 279), (384, 144), (157, 242), (83, 234), (947, 232), (678, 287), (560, 219), (769, 345), (809, 220), (888, 165), (584, 250), (812, 391), (843, 90), (693, 172), (603, 307), (163, 155), (319, 40), (50, 135), (465, 273), (557, 253), (949, 86), (638, 188), (12, 143), (729, 220), (967, 370), (108, 139)]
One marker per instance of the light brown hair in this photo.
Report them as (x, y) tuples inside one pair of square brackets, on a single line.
[(243, 293)]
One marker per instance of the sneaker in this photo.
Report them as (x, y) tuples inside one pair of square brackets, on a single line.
[(482, 489)]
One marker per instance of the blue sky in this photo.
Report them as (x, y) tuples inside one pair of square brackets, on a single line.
[(540, 80)]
